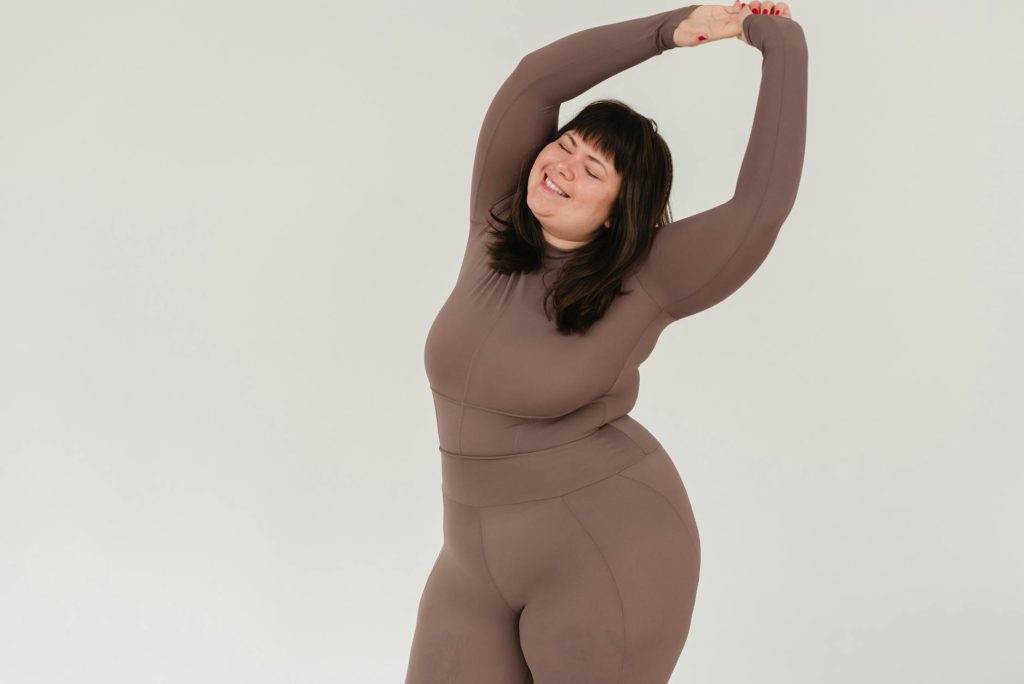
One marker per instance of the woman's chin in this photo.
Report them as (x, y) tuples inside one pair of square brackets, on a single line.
[(532, 203), (536, 200)]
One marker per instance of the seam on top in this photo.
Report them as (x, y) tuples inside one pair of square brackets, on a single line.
[(626, 365), (474, 213), (504, 413), (764, 193), (475, 198), (545, 450), (471, 365), (636, 276)]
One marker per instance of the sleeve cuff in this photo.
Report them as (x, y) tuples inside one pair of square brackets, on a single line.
[(668, 28)]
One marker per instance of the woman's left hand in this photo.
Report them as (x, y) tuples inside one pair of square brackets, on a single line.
[(708, 23)]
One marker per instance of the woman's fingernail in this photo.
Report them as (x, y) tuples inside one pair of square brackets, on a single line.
[(701, 37), (776, 11)]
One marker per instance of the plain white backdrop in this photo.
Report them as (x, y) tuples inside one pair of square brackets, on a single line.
[(226, 227)]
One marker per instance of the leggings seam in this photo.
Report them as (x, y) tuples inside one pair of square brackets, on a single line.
[(689, 534), (553, 496), (487, 566), (615, 582)]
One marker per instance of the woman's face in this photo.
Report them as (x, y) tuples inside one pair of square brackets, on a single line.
[(586, 176)]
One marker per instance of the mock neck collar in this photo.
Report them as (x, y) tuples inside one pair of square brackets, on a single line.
[(553, 252)]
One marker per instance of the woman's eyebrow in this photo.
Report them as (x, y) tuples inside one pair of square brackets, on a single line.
[(589, 155)]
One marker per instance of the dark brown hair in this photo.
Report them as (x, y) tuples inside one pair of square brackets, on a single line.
[(591, 277)]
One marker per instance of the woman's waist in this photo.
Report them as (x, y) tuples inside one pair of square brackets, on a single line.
[(527, 475), (470, 431)]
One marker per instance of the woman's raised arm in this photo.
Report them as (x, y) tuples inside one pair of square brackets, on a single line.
[(700, 260), (524, 113)]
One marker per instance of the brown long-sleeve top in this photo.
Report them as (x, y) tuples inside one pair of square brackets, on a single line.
[(504, 380)]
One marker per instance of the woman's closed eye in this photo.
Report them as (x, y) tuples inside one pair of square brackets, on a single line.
[(588, 170)]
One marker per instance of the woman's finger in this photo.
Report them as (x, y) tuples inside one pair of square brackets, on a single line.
[(745, 11)]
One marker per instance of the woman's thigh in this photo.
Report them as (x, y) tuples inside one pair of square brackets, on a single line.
[(595, 586), (465, 631), (615, 604)]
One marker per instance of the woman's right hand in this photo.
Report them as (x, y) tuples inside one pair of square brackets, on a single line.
[(715, 22)]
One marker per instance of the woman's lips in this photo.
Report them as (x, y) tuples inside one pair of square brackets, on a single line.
[(544, 185)]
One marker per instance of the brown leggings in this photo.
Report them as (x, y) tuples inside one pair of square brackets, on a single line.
[(578, 563)]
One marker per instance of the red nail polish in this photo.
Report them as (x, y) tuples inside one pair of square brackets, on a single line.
[(776, 11), (701, 38), (755, 11)]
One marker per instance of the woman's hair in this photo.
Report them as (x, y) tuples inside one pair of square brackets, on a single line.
[(591, 277)]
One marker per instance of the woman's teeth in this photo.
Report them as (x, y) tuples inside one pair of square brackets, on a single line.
[(554, 188)]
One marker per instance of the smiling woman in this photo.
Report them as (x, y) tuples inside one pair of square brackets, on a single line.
[(569, 168), (571, 551), (614, 171)]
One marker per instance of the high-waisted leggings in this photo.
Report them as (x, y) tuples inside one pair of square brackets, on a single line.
[(575, 564)]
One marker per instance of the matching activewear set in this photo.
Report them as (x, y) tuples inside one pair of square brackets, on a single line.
[(571, 552)]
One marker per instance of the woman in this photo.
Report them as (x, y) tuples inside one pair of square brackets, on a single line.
[(571, 553)]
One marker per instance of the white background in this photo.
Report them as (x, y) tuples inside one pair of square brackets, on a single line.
[(226, 227)]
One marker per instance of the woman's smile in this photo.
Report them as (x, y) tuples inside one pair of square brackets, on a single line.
[(547, 184)]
